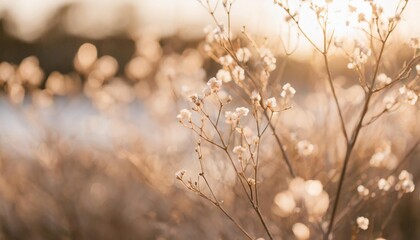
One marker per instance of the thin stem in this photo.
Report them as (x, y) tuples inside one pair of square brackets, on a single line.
[(280, 144), (337, 104), (353, 140)]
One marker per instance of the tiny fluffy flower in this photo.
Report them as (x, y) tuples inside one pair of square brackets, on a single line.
[(408, 95), (226, 60), (381, 154), (301, 231), (231, 117), (405, 175), (255, 96), (362, 190), (184, 115), (362, 223), (223, 75), (313, 187), (206, 91), (238, 150), (383, 80), (288, 91), (242, 111), (304, 148), (407, 186), (405, 183), (194, 98), (180, 174), (271, 103), (389, 102), (214, 84), (215, 34), (268, 59), (285, 202), (243, 54), (384, 185), (361, 54), (238, 73)]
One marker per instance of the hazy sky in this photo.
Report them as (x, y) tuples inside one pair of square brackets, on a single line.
[(102, 17)]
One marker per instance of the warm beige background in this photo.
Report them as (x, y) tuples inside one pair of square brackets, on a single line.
[(28, 19)]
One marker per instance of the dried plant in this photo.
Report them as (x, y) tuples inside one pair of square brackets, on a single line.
[(240, 123)]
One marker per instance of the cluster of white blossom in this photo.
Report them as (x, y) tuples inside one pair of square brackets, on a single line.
[(268, 59), (243, 54), (233, 117), (184, 115), (408, 96), (405, 183), (360, 56), (217, 34), (305, 148), (310, 192), (383, 156), (363, 191), (362, 223), (383, 80)]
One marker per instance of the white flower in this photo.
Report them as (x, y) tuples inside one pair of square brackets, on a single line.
[(184, 115), (407, 186), (180, 174), (226, 60), (383, 80), (389, 102), (206, 91), (288, 91), (242, 111), (194, 98), (285, 203), (362, 190), (408, 95), (223, 75), (384, 185), (362, 223), (313, 187), (255, 96), (381, 154), (271, 103), (231, 117), (214, 84), (268, 59), (405, 175), (239, 150), (238, 73), (405, 183), (361, 54), (215, 34), (304, 148), (301, 231), (243, 54), (418, 69)]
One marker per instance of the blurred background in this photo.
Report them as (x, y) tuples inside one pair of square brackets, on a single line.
[(89, 141)]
